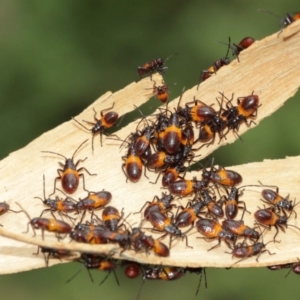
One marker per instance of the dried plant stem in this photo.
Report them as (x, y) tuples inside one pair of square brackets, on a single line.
[(270, 68)]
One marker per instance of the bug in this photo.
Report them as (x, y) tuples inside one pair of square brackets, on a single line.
[(238, 228), (69, 175), (172, 134), (161, 92), (286, 21), (140, 241), (4, 208), (184, 187), (133, 165), (188, 215), (51, 225), (232, 203), (198, 271), (156, 65), (268, 217), (94, 200), (52, 252), (246, 109), (101, 125), (198, 113), (217, 65), (212, 229), (281, 203), (132, 269), (214, 207), (161, 223), (111, 218), (62, 206), (96, 262), (162, 204), (244, 251), (222, 176)]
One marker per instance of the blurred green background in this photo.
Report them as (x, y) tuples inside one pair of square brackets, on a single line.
[(57, 57)]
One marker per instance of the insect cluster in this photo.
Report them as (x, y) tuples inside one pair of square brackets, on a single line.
[(166, 143)]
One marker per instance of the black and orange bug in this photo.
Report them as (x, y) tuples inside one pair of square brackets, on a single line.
[(244, 251), (101, 125), (217, 65), (198, 113), (133, 165), (67, 205), (214, 208), (69, 175), (246, 109), (94, 200), (162, 204), (238, 228), (198, 271), (163, 273), (93, 261), (4, 208), (156, 65), (281, 203), (212, 229), (89, 236), (188, 215), (52, 252), (161, 222), (161, 92), (221, 176), (142, 242), (172, 134), (232, 203), (111, 218), (122, 237), (287, 20), (51, 225), (171, 174), (184, 187), (267, 218)]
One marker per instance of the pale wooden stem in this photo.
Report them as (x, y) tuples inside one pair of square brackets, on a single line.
[(270, 68)]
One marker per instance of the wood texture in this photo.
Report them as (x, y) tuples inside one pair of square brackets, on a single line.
[(270, 68)]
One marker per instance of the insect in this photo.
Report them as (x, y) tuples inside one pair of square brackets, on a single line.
[(246, 109), (51, 225), (4, 208), (214, 207), (96, 262), (161, 92), (232, 203), (238, 228), (184, 187), (162, 204), (101, 125), (132, 269), (268, 217), (94, 200), (156, 65), (244, 251), (111, 217), (222, 176), (69, 175), (52, 252), (188, 215), (212, 229), (62, 206), (161, 223), (281, 203)]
